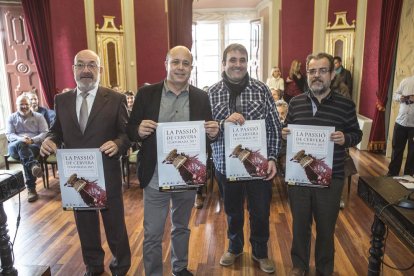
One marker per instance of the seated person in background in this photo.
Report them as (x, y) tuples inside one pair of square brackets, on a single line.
[(130, 100), (48, 114), (282, 109), (276, 83), (25, 132)]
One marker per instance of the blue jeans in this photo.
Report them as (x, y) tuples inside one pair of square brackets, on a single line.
[(27, 155), (259, 195)]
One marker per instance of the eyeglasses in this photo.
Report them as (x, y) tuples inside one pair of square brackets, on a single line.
[(90, 66), (177, 62), (322, 71)]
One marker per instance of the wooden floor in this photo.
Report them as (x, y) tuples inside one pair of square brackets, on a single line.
[(47, 235)]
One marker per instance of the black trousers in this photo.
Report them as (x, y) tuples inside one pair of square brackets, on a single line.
[(322, 205), (401, 136)]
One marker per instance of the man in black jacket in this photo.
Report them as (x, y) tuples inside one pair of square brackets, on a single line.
[(343, 74), (172, 100)]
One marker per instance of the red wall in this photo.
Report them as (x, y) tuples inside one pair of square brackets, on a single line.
[(151, 35), (297, 32), (350, 6), (112, 8), (69, 33), (369, 82)]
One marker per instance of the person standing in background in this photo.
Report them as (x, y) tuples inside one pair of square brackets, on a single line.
[(295, 82), (403, 129), (343, 74)]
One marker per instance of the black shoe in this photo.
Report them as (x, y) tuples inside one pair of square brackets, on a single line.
[(183, 272), (88, 273)]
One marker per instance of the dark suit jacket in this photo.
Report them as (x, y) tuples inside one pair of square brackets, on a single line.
[(147, 107), (345, 77), (107, 121)]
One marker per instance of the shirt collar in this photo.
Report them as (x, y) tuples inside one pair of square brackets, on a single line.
[(312, 97), (91, 92), (167, 90)]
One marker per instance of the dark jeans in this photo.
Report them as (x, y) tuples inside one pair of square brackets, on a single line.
[(259, 195), (322, 205), (401, 136), (27, 155)]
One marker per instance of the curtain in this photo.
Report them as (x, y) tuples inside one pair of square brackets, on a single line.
[(180, 20), (390, 21), (38, 23)]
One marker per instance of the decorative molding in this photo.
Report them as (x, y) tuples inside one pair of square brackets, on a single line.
[(223, 14), (360, 29), (319, 22), (128, 20), (90, 24), (110, 44), (340, 40)]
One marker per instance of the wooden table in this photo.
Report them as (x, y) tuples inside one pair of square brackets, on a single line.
[(381, 193)]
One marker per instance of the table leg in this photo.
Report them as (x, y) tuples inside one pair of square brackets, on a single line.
[(377, 244), (5, 249)]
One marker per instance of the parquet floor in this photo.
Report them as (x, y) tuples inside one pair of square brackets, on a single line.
[(47, 235)]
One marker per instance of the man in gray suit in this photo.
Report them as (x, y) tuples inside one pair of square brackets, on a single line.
[(104, 127)]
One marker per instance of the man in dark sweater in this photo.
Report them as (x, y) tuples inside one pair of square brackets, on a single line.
[(319, 106)]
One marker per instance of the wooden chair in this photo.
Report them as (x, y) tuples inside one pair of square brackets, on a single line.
[(10, 160), (131, 158), (52, 161)]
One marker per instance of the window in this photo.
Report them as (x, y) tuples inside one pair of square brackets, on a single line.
[(209, 41), (206, 51)]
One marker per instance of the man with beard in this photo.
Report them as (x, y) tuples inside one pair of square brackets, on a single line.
[(25, 132), (34, 106), (320, 106), (91, 116), (237, 98)]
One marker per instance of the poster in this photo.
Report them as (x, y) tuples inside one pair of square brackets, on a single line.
[(245, 150), (309, 155), (181, 155), (82, 180)]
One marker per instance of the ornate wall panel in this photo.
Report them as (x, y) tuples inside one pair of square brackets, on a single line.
[(19, 62)]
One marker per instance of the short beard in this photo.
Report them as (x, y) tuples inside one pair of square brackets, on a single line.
[(87, 87)]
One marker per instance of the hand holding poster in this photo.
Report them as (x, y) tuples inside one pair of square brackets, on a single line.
[(82, 181), (309, 155), (245, 150), (181, 155)]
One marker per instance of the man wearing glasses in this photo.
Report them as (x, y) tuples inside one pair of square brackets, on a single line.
[(91, 116), (320, 106), (25, 132)]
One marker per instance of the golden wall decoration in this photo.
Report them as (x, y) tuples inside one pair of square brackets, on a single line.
[(110, 45), (340, 40)]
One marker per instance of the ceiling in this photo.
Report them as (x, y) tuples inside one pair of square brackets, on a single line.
[(224, 4)]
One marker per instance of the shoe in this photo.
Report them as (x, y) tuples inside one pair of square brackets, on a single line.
[(199, 201), (37, 171), (342, 204), (296, 271), (32, 195), (183, 272), (265, 264), (228, 258), (89, 273)]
